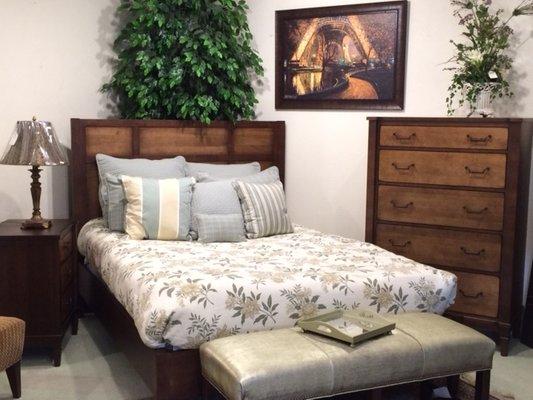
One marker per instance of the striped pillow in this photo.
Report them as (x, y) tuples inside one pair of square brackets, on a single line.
[(264, 209), (157, 208)]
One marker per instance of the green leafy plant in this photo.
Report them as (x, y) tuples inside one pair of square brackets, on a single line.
[(482, 60), (184, 59)]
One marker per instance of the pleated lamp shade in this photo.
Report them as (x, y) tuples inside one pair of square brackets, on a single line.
[(34, 143)]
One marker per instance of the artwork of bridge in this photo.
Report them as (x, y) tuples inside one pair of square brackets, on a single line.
[(349, 25)]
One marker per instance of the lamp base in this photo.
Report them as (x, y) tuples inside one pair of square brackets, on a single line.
[(36, 224)]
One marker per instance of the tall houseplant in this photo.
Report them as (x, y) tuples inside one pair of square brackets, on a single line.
[(482, 61), (184, 59)]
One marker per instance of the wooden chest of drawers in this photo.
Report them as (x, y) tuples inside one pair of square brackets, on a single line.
[(38, 281), (452, 193)]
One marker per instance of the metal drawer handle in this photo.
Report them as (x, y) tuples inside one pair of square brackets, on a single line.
[(474, 172), (405, 244), (398, 168), (471, 296), (472, 253), (484, 140), (470, 211), (396, 205), (397, 136)]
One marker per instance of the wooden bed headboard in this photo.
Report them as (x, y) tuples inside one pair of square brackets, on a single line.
[(219, 142)]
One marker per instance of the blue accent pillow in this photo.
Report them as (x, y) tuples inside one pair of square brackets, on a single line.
[(220, 228), (219, 197)]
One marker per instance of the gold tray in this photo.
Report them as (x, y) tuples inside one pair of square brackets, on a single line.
[(352, 326)]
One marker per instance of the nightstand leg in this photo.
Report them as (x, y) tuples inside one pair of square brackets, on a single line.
[(56, 356), (74, 325)]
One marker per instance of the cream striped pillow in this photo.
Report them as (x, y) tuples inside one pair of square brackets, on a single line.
[(264, 209), (157, 208)]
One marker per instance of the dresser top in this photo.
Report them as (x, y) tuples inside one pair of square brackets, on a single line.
[(451, 120), (11, 228)]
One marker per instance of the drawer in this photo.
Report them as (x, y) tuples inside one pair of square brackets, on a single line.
[(67, 302), (439, 168), (477, 294), (442, 247), (446, 207), (67, 272), (448, 137), (65, 245)]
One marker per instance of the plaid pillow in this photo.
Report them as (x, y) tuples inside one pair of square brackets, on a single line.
[(220, 228)]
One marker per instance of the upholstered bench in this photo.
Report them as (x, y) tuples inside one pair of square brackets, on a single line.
[(289, 364), (11, 345)]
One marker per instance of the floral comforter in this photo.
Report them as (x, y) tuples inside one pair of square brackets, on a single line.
[(181, 294)]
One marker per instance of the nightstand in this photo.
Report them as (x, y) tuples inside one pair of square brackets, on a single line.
[(38, 281)]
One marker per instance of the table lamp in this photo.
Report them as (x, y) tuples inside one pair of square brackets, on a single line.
[(34, 143)]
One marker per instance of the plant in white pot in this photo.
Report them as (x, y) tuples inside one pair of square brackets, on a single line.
[(482, 62)]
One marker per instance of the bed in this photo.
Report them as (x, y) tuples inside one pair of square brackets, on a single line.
[(161, 300)]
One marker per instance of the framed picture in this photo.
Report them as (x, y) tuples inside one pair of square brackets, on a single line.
[(346, 57)]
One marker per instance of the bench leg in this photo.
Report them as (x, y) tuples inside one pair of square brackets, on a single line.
[(13, 376), (375, 394), (426, 390), (482, 385), (452, 382)]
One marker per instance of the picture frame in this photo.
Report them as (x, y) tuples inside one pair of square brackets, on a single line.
[(342, 57)]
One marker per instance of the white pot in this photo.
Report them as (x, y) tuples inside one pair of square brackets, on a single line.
[(483, 104)]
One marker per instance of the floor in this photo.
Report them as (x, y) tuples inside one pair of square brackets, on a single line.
[(92, 368)]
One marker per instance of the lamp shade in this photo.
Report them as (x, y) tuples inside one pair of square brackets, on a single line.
[(34, 143)]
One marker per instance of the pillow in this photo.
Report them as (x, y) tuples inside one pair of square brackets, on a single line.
[(267, 176), (166, 168), (157, 208), (116, 202), (219, 197), (264, 209), (220, 228), (223, 171)]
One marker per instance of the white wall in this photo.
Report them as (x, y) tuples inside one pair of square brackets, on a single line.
[(327, 150), (54, 60)]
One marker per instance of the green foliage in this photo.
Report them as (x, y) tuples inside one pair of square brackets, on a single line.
[(481, 61), (184, 59)]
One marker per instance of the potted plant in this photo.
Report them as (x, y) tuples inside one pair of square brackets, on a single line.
[(179, 59), (482, 60)]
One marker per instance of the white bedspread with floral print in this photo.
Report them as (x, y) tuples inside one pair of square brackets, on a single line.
[(181, 294)]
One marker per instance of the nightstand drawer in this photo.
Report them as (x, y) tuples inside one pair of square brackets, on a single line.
[(442, 247), (441, 168), (455, 208), (67, 272), (65, 245), (67, 302), (448, 137), (477, 294)]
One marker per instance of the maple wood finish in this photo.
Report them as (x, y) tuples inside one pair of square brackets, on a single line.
[(172, 375), (452, 193), (38, 281)]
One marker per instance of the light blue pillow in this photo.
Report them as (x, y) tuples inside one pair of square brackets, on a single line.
[(220, 228), (219, 196), (166, 168), (223, 171)]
